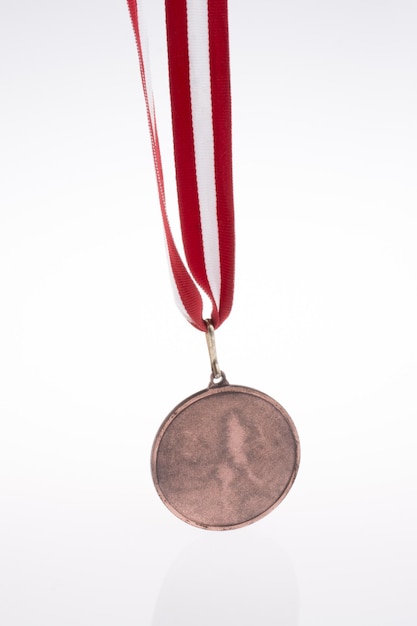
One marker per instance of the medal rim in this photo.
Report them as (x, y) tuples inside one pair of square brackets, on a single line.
[(212, 390)]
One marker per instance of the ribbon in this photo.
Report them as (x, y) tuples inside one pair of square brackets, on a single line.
[(199, 78)]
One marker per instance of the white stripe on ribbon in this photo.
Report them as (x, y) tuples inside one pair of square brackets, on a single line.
[(200, 90), (148, 80), (177, 296)]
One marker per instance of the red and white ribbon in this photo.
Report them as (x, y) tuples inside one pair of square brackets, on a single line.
[(199, 77)]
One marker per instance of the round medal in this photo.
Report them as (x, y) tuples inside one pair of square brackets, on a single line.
[(225, 457)]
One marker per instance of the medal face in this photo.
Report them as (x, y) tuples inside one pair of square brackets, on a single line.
[(225, 457)]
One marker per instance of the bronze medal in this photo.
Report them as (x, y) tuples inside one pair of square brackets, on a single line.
[(225, 457)]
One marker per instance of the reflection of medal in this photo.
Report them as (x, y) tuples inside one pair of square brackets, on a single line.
[(228, 455)]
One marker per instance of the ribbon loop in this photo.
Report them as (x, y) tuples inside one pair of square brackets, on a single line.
[(199, 77)]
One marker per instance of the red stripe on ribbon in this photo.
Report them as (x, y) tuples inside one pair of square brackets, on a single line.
[(179, 77), (222, 125)]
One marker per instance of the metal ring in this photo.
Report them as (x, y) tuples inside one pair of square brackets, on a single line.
[(220, 382)]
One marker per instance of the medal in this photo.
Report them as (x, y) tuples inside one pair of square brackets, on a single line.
[(226, 456)]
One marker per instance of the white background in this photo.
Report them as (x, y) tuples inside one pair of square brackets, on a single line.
[(94, 354)]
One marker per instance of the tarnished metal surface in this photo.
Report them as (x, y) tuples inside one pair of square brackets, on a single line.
[(225, 457)]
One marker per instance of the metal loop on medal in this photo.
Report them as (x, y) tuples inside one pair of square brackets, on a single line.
[(218, 382), (216, 374)]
